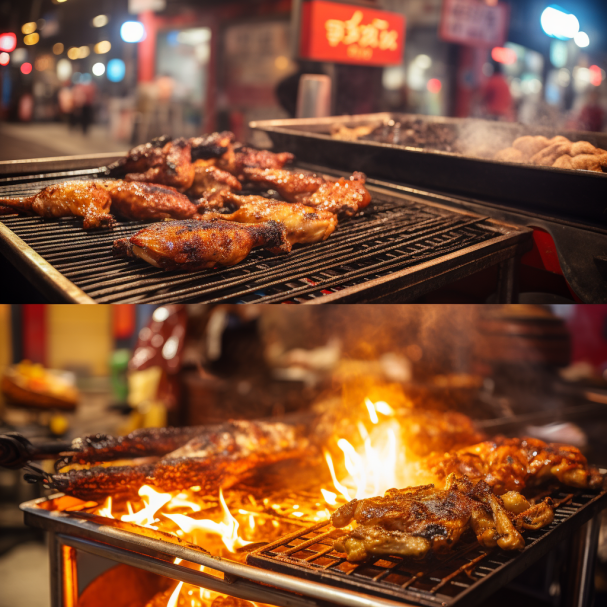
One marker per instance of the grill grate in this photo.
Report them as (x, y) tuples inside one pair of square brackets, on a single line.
[(464, 573), (394, 233)]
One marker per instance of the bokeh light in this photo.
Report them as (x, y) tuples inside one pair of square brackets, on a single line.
[(26, 68), (8, 42), (581, 39), (115, 70), (100, 20), (434, 85), (4, 58), (132, 31), (58, 48), (31, 39), (64, 69), (84, 52), (73, 53), (98, 69), (105, 46)]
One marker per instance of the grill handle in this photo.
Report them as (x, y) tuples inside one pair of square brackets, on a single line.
[(16, 451)]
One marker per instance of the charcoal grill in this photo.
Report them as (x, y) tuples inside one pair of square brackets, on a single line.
[(301, 570), (400, 248)]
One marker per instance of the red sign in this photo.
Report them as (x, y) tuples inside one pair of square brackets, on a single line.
[(474, 23), (346, 33)]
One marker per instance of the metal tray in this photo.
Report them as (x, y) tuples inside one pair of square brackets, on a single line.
[(580, 195)]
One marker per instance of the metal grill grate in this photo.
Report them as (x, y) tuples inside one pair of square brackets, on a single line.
[(393, 234), (464, 573)]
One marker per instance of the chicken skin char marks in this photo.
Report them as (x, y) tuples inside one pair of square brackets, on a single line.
[(145, 201), (193, 245), (87, 199), (212, 183), (218, 456), (303, 224), (515, 463), (212, 145), (160, 161), (237, 159), (344, 197), (411, 522)]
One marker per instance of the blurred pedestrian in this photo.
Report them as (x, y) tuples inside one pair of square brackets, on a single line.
[(83, 97), (592, 115), (496, 99)]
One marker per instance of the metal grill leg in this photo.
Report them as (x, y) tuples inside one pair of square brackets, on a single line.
[(579, 584), (63, 571), (507, 281)]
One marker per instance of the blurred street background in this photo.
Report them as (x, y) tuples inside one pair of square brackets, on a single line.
[(81, 77)]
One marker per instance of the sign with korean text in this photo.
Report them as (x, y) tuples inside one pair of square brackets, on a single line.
[(474, 23), (345, 33)]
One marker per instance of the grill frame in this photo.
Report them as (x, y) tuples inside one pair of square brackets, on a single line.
[(67, 533), (404, 281), (511, 567)]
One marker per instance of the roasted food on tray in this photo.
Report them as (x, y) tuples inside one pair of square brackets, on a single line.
[(411, 522), (193, 245), (558, 152), (32, 385), (216, 456), (415, 133), (516, 463)]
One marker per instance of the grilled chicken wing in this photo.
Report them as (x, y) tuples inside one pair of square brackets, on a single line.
[(343, 197), (135, 200), (303, 224), (160, 161), (212, 183), (193, 245), (218, 456), (413, 521), (213, 145), (293, 186), (87, 199), (235, 160), (514, 463)]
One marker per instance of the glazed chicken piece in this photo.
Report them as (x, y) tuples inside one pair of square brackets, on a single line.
[(145, 201), (343, 197), (161, 161), (515, 463), (213, 145), (235, 160), (87, 199), (193, 245), (303, 224), (212, 183), (411, 522), (293, 186)]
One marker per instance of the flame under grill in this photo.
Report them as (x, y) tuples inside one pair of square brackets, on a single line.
[(468, 572), (395, 233)]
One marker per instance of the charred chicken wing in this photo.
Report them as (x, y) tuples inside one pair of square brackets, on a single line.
[(303, 224), (160, 161), (515, 463), (145, 201), (235, 160), (193, 245), (213, 145), (216, 456), (212, 183), (87, 199), (293, 186)]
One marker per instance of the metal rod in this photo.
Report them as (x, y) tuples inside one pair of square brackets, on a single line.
[(233, 585)]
